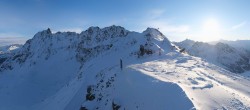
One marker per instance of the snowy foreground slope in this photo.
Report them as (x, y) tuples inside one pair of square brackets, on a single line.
[(70, 71), (208, 86)]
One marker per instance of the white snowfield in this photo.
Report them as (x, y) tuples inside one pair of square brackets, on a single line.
[(208, 87), (164, 80)]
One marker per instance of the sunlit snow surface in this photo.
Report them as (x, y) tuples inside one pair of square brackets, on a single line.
[(208, 86)]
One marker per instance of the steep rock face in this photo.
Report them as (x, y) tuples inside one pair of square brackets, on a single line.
[(222, 54)]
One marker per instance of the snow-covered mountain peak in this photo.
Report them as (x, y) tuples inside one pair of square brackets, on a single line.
[(44, 32), (114, 28), (152, 33), (88, 44), (106, 30), (188, 41), (91, 30), (42, 35), (154, 38)]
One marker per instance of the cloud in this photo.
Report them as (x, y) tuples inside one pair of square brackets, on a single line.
[(239, 25), (11, 38)]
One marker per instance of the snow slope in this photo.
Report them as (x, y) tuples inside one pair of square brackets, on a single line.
[(69, 71)]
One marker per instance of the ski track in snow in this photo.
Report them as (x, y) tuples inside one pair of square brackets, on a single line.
[(208, 86)]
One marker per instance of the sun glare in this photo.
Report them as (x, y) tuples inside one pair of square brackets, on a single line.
[(211, 25), (211, 30)]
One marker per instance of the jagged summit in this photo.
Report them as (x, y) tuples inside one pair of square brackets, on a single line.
[(98, 34), (112, 28), (95, 36), (88, 44)]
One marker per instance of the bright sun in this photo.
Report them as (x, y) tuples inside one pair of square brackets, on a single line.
[(211, 25), (211, 30)]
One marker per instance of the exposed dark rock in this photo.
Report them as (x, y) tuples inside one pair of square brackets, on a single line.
[(90, 96), (83, 108), (115, 106)]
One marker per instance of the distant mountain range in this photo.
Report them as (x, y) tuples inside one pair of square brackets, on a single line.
[(236, 44), (229, 55), (9, 48), (5, 51)]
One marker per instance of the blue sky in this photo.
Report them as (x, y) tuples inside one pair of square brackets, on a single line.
[(201, 20)]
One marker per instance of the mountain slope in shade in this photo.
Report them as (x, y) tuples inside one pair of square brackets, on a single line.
[(224, 55)]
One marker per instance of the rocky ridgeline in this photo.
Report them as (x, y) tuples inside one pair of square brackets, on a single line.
[(85, 45)]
